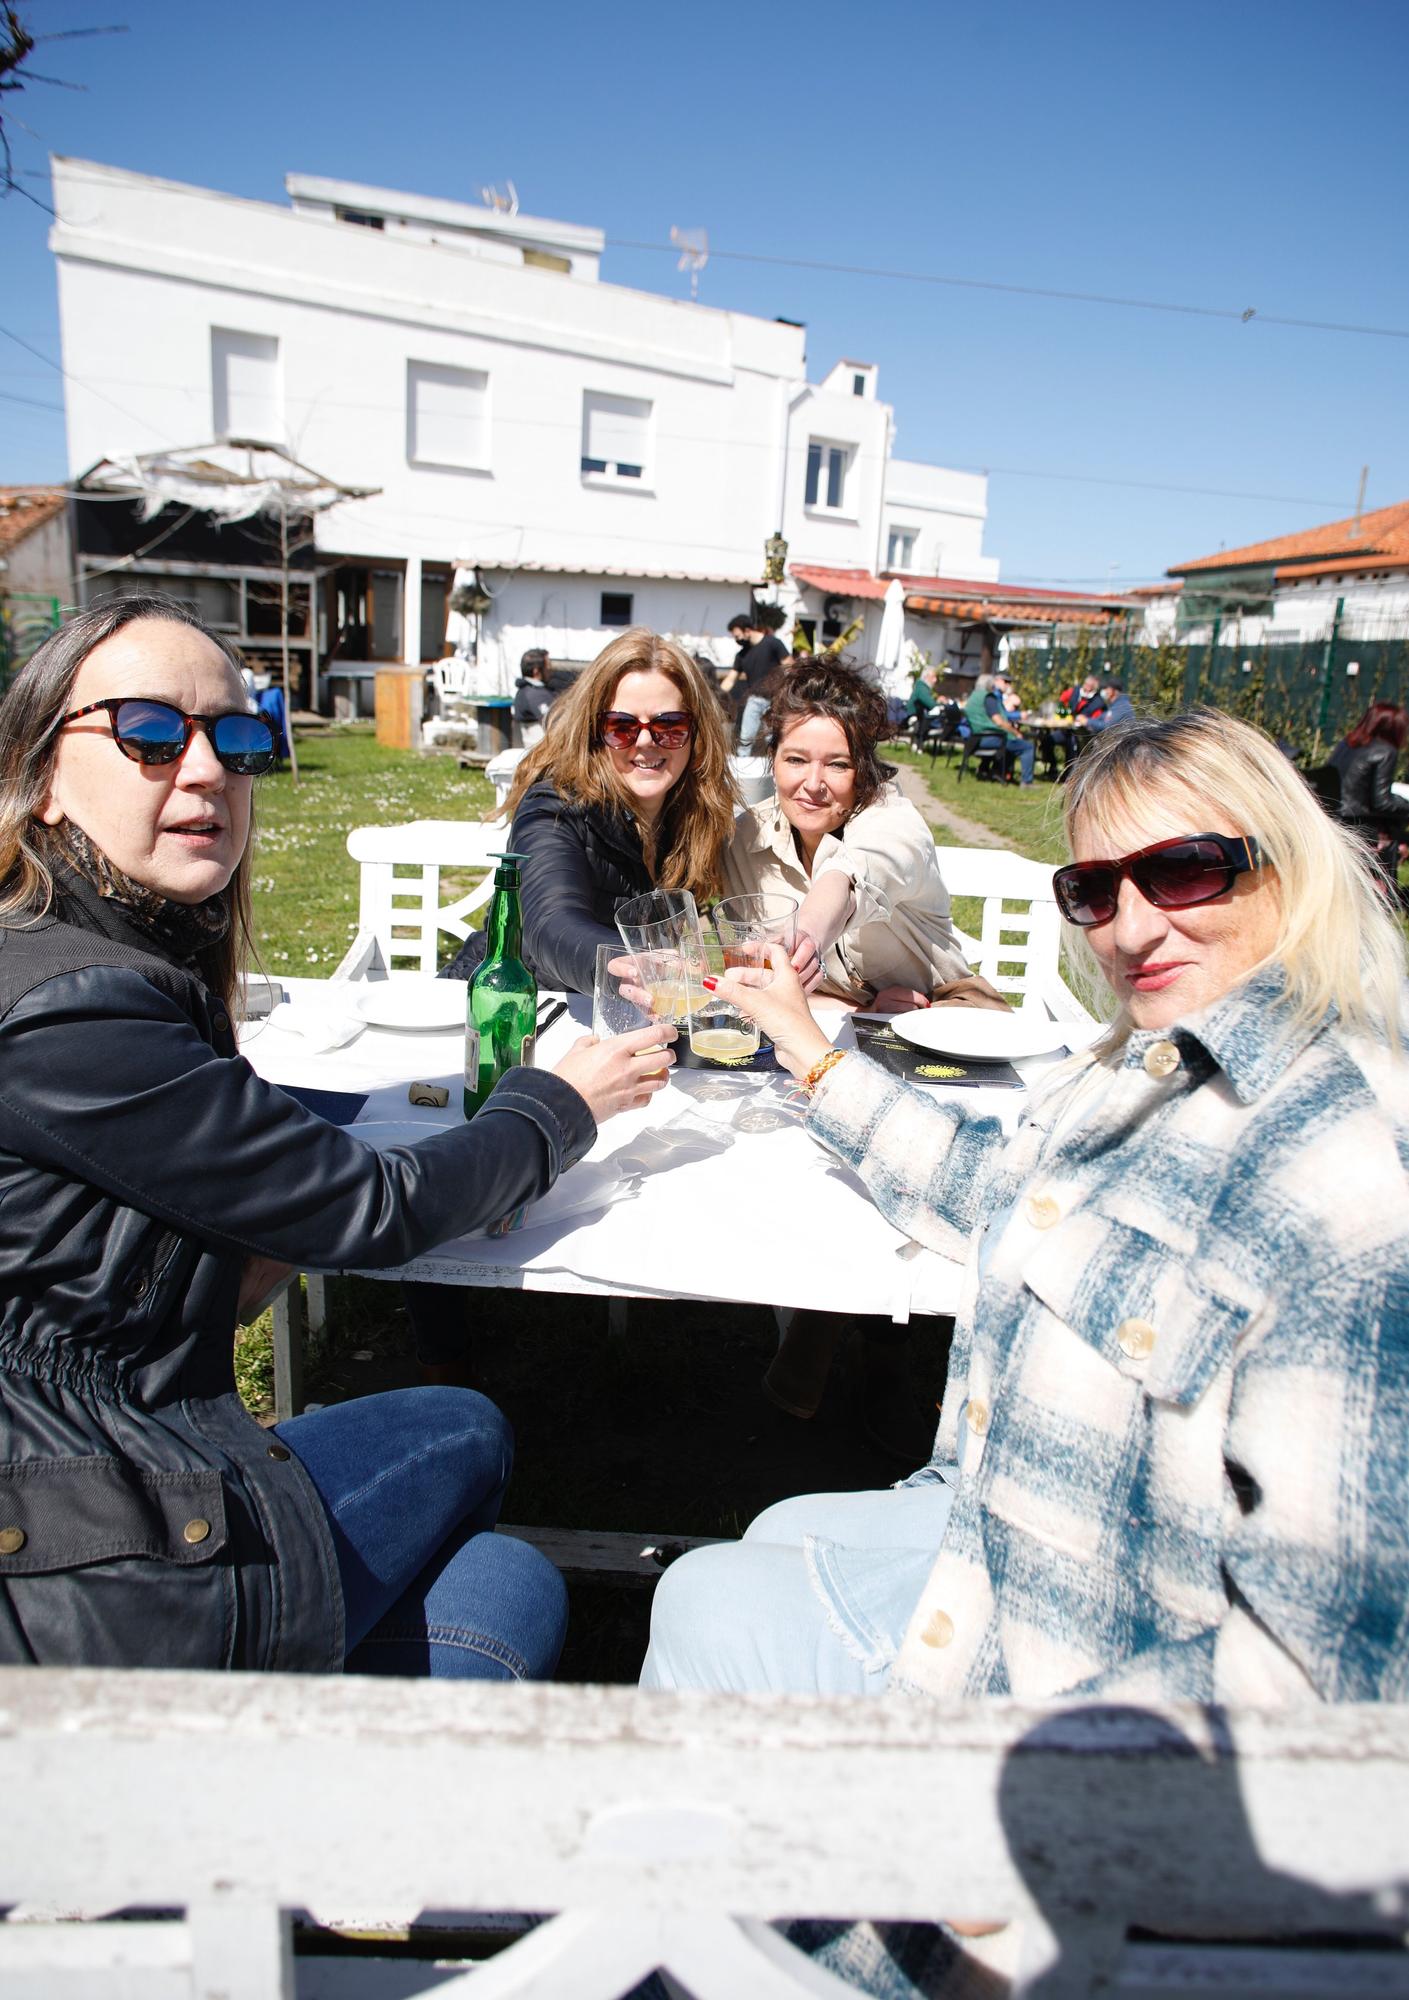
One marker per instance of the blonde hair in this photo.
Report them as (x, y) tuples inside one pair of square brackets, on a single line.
[(1338, 942), (686, 848)]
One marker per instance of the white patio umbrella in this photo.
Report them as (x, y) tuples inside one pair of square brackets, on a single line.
[(890, 668)]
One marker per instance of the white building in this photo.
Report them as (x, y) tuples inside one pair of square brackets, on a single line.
[(1350, 576), (595, 456)]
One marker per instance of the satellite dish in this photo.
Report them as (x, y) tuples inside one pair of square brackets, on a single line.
[(502, 204), (693, 245)]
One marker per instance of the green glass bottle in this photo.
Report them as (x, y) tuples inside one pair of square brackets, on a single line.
[(502, 1008)]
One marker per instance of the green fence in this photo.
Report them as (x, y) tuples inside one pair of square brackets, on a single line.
[(26, 620), (1305, 691)]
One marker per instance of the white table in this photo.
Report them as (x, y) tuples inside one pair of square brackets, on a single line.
[(773, 1220)]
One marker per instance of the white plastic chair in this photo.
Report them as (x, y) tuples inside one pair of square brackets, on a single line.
[(400, 914), (1018, 949)]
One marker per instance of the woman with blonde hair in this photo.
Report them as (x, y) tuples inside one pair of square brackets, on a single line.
[(629, 790), (1171, 1448)]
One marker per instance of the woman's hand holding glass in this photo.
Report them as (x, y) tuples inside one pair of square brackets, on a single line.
[(776, 1000)]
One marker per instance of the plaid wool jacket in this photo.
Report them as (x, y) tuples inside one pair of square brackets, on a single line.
[(1179, 1384)]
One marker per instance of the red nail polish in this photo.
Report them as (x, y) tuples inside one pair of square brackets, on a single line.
[(708, 983)]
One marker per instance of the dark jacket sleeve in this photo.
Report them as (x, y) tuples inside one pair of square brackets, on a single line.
[(1380, 762), (560, 889), (105, 1079)]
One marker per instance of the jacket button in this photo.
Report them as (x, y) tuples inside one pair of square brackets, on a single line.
[(280, 1451), (978, 1416), (12, 1540), (1135, 1337), (140, 1286), (1161, 1059), (1042, 1210), (939, 1631), (197, 1530), (220, 1022)]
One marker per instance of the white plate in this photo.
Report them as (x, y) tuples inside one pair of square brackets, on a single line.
[(416, 1006), (983, 1034)]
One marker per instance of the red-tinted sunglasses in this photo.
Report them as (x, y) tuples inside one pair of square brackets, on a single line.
[(1173, 875), (668, 731)]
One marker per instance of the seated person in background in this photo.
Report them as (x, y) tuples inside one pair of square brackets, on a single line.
[(532, 695), (152, 1187), (1169, 1451), (922, 703), (992, 726), (629, 791), (1083, 700), (1118, 708), (841, 836), (1367, 760)]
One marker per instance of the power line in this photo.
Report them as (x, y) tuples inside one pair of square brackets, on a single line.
[(1244, 314), (32, 402)]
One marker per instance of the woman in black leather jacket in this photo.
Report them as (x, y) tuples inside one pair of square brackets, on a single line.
[(150, 1184), (1367, 760), (603, 810)]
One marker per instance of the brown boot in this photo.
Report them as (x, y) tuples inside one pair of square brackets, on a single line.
[(797, 1374)]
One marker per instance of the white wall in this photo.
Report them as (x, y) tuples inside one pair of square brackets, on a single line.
[(846, 538), (151, 269), (947, 510), (42, 562), (563, 614)]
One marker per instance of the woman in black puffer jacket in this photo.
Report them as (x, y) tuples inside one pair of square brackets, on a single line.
[(1367, 761)]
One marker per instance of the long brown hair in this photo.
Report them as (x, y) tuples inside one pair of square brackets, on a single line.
[(840, 694), (29, 740), (1382, 722), (697, 819)]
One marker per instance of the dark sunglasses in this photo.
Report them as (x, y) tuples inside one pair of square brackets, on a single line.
[(1173, 875), (668, 731), (153, 732)]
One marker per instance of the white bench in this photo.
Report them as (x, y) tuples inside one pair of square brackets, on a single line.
[(671, 1831)]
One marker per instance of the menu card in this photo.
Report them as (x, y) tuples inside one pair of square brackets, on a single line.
[(902, 1058)]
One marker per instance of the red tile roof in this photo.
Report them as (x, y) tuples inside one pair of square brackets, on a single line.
[(1379, 540), (25, 508), (962, 597)]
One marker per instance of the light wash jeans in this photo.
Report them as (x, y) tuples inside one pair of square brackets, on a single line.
[(755, 708), (412, 1483), (814, 1600)]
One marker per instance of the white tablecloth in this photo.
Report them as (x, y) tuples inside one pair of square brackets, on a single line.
[(771, 1220)]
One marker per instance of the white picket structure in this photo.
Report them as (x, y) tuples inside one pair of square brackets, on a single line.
[(673, 1831), (400, 913), (1018, 948)]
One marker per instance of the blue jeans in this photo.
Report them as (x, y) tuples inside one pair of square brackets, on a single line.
[(755, 708), (814, 1600), (412, 1483), (1025, 751)]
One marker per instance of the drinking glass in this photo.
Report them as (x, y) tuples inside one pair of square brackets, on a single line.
[(661, 930), (613, 1013), (747, 926)]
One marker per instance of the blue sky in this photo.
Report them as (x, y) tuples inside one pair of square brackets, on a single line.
[(1245, 153)]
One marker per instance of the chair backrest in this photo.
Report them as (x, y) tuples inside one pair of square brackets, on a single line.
[(452, 678), (400, 904), (1018, 947)]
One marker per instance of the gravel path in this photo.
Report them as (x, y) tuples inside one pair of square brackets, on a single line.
[(969, 832)]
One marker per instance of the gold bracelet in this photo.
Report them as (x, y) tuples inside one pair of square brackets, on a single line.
[(821, 1066)]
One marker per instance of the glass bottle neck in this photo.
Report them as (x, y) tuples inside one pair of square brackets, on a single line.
[(504, 931)]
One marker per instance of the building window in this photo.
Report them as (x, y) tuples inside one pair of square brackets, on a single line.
[(900, 548), (362, 221), (826, 474), (858, 385), (246, 396), (615, 436), (447, 416), (616, 607), (546, 260)]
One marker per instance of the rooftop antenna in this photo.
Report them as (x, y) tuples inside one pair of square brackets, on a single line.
[(693, 245), (502, 204)]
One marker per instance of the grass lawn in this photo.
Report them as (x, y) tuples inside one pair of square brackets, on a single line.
[(304, 880), (1029, 820)]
